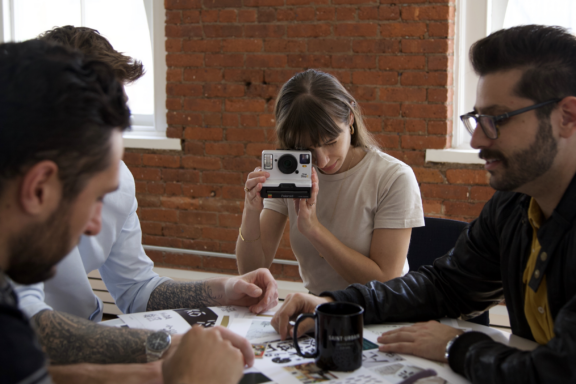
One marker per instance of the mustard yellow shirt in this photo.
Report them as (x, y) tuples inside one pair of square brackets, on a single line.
[(536, 306)]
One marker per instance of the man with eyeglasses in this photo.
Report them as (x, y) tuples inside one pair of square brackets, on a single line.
[(522, 247)]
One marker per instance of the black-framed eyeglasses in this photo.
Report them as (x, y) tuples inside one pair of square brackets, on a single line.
[(490, 124)]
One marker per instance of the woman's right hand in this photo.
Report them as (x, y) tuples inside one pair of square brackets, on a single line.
[(252, 188)]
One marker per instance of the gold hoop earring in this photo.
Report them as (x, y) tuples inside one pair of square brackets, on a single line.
[(351, 130)]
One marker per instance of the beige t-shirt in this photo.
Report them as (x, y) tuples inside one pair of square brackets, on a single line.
[(379, 192)]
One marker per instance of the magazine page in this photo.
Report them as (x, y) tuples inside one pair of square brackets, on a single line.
[(173, 321)]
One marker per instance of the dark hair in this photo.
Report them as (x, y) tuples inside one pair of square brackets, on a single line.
[(546, 54), (309, 107), (56, 106), (92, 44)]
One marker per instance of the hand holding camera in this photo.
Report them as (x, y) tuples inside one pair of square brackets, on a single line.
[(253, 186), (285, 174), (306, 208)]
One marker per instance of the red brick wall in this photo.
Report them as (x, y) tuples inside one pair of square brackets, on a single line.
[(226, 62)]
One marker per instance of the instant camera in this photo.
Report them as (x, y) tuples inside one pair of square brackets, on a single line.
[(290, 174)]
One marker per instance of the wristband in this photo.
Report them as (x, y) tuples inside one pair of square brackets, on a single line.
[(242, 237)]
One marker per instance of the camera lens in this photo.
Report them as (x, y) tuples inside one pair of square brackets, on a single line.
[(287, 164)]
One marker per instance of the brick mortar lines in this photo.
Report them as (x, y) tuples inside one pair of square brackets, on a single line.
[(412, 129)]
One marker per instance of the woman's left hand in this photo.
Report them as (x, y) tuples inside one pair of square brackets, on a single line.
[(306, 208)]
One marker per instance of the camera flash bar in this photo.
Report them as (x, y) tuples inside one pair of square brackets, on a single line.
[(268, 161)]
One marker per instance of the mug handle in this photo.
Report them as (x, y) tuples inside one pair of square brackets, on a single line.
[(295, 336)]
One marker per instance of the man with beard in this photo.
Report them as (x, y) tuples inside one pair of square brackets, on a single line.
[(522, 246), (64, 310), (61, 123)]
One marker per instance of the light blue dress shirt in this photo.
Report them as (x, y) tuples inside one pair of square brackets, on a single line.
[(116, 252)]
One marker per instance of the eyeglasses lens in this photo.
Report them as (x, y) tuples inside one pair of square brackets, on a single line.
[(487, 123), (488, 126), (469, 123)]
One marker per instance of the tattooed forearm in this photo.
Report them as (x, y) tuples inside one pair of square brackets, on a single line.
[(68, 339), (172, 294)]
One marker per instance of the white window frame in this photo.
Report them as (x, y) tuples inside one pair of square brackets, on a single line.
[(149, 132), (475, 19)]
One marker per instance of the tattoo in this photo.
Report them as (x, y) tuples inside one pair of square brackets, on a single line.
[(68, 339), (172, 295)]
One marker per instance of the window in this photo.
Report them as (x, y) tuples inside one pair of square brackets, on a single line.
[(476, 19), (131, 27)]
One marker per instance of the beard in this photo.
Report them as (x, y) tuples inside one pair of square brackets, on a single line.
[(525, 165), (36, 250)]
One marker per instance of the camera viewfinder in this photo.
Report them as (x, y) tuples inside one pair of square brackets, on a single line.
[(304, 159), (268, 161)]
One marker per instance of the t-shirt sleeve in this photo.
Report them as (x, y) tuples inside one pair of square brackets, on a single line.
[(400, 204), (278, 205), (21, 359)]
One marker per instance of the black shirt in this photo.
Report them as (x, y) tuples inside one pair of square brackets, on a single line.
[(21, 358)]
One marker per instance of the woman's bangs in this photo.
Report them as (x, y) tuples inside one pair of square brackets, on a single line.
[(307, 125)]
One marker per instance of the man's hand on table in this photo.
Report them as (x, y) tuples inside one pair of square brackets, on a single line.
[(201, 353), (257, 290), (427, 340), (294, 305)]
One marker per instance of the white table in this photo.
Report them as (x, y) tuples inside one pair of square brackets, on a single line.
[(404, 363)]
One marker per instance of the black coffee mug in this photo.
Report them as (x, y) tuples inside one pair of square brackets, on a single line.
[(339, 328)]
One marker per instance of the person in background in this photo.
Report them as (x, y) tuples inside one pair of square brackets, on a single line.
[(64, 309), (61, 123), (521, 248), (356, 226)]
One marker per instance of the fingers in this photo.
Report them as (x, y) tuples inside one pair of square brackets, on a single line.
[(405, 348), (257, 174), (295, 304), (304, 327), (282, 317), (254, 183), (427, 340), (270, 297), (303, 205), (239, 342), (399, 340), (315, 186), (243, 287), (257, 284), (297, 206), (396, 337)]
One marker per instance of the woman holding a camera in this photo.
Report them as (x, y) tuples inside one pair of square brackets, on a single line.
[(356, 225)]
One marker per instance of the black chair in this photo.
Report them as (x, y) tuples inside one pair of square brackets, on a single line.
[(433, 241)]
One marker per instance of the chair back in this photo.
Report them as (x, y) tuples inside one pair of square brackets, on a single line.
[(434, 240)]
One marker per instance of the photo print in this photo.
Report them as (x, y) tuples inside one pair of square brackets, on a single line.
[(403, 373), (309, 373), (261, 331), (153, 317), (283, 352), (259, 350), (367, 345), (201, 316), (169, 328), (375, 358)]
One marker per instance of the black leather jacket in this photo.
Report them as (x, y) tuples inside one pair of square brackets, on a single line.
[(486, 266)]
